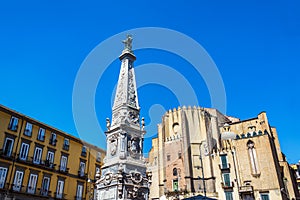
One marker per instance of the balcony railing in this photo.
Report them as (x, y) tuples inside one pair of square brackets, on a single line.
[(52, 141), (45, 193), (63, 170), (13, 127), (224, 166), (83, 153), (60, 196), (66, 147), (229, 185), (7, 155), (81, 174), (246, 188)]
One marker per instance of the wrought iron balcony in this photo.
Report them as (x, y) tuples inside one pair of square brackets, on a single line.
[(229, 185), (63, 170), (224, 167)]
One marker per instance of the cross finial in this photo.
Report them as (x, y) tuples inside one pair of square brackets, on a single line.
[(128, 42)]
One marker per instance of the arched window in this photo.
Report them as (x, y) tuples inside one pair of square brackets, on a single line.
[(175, 173), (253, 158)]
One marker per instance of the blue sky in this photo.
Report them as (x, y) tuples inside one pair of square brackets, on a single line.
[(255, 45)]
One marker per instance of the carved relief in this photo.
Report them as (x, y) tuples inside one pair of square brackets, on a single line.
[(131, 90)]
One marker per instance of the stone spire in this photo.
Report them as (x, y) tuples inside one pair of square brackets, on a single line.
[(126, 105), (123, 175)]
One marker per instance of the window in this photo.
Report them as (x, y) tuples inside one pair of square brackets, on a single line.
[(228, 196), (3, 172), (253, 158), (83, 151), (66, 144), (175, 173), (226, 179), (53, 139), (63, 163), (224, 164), (41, 134), (60, 189), (45, 186), (175, 185), (264, 196), (37, 155), (81, 168), (98, 159), (32, 183), (18, 181), (97, 171), (79, 192), (28, 129), (8, 145), (168, 157), (50, 159), (179, 155), (24, 151), (13, 124)]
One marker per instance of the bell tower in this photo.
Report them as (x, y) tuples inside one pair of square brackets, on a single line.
[(124, 170)]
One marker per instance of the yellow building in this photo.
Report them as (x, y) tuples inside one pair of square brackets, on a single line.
[(38, 161)]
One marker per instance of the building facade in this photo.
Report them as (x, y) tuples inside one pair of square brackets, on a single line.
[(124, 171), (38, 161), (200, 151), (296, 169)]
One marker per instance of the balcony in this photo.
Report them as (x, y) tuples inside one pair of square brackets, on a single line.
[(224, 166), (246, 189), (82, 174), (66, 147), (13, 127), (60, 196), (229, 185), (27, 132), (44, 193), (63, 170), (83, 153), (52, 141), (41, 138), (7, 155)]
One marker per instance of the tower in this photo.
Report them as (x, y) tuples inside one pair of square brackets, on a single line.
[(124, 170)]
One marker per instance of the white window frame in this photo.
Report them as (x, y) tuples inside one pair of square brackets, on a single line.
[(10, 148), (66, 143), (79, 192), (41, 134), (60, 189), (53, 138), (82, 168), (24, 151), (223, 177), (38, 152), (33, 178), (226, 157), (18, 180), (3, 173), (13, 124), (28, 129), (98, 159), (264, 194), (45, 186), (50, 158), (63, 163)]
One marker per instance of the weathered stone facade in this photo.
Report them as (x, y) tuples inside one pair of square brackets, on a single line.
[(201, 151), (124, 171)]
